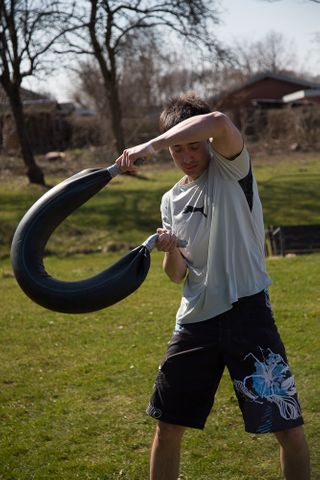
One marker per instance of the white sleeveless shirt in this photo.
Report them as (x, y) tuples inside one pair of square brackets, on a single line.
[(220, 215)]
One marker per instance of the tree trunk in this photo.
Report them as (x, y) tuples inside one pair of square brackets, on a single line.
[(109, 74), (34, 172)]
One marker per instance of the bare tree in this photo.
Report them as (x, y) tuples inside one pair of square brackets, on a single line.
[(88, 89), (111, 25), (28, 31), (148, 75), (273, 53), (140, 70)]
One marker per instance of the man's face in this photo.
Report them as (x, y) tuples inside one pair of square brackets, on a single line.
[(192, 158)]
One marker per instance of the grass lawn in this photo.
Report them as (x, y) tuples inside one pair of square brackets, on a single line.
[(73, 388), (289, 188)]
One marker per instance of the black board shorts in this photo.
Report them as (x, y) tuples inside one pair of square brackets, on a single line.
[(244, 339)]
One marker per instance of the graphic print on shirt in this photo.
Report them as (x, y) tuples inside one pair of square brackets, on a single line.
[(191, 209), (273, 382)]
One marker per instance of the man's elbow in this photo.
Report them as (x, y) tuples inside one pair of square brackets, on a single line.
[(175, 267), (176, 277)]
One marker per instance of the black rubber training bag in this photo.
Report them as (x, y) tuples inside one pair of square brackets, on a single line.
[(102, 290)]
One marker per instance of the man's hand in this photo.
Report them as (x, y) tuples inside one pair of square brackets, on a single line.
[(167, 241), (173, 263), (130, 155)]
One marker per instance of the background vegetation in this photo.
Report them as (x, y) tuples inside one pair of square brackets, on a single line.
[(126, 60)]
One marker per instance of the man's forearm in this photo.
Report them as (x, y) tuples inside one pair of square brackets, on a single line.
[(175, 266), (216, 126), (190, 130)]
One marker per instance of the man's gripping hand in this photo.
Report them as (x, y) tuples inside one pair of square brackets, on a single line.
[(127, 159), (174, 263), (167, 241)]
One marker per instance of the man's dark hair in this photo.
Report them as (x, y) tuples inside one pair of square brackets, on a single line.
[(179, 108)]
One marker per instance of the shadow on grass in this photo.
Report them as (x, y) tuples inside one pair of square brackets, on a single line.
[(124, 215), (121, 212), (291, 200), (130, 212)]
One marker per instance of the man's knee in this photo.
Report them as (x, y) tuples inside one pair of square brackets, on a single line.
[(169, 432), (292, 440)]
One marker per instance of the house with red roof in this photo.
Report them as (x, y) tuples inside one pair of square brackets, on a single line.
[(267, 90)]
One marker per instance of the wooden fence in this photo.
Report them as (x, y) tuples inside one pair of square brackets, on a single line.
[(284, 239)]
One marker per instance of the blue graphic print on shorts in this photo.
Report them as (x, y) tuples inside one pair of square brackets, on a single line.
[(273, 383)]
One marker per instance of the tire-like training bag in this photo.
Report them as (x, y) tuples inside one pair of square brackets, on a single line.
[(102, 290)]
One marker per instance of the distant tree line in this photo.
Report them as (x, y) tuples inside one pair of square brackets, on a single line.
[(128, 56)]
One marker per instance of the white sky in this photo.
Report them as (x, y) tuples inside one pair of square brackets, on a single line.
[(297, 20), (248, 20)]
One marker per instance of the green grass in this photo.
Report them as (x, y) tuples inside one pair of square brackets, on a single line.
[(127, 210), (117, 213), (290, 190), (74, 387)]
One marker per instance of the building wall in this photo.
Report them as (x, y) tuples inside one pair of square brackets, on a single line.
[(237, 103)]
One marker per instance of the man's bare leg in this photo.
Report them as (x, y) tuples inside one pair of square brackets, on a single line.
[(294, 454), (165, 452)]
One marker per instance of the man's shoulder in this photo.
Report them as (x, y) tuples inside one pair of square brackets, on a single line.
[(166, 197), (170, 196), (172, 191)]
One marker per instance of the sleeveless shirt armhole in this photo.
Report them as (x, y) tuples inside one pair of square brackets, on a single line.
[(234, 157), (237, 168)]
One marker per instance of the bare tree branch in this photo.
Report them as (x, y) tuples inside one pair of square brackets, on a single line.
[(112, 25), (28, 31)]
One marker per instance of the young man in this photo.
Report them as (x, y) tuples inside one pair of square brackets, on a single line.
[(225, 317)]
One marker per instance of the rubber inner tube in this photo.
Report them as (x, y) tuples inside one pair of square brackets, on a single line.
[(33, 232)]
